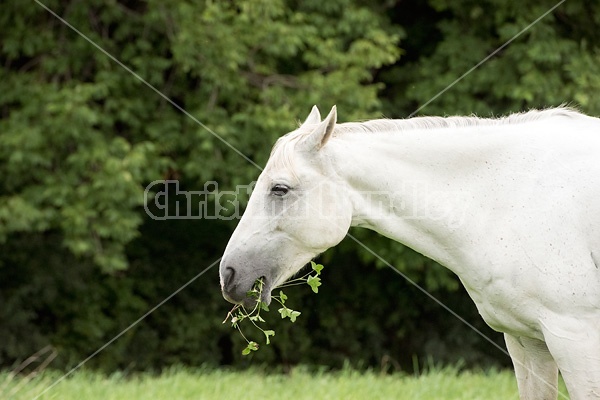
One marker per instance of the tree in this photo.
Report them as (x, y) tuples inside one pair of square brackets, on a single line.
[(81, 137), (552, 62)]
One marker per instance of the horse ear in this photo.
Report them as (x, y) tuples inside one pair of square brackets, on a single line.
[(321, 134), (313, 118)]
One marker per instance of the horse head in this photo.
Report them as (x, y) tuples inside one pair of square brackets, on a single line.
[(296, 211)]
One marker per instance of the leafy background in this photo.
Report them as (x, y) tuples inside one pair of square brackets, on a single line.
[(80, 139)]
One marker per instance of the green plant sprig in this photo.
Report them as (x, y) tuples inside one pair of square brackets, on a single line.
[(239, 313)]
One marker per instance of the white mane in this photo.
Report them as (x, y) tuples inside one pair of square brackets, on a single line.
[(282, 151), (382, 125)]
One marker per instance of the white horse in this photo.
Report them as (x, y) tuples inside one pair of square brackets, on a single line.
[(516, 215)]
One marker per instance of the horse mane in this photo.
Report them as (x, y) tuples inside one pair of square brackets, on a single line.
[(281, 153), (425, 123)]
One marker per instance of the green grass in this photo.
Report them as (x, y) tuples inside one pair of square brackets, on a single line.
[(180, 383)]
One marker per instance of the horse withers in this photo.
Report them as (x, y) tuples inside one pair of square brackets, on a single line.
[(511, 205)]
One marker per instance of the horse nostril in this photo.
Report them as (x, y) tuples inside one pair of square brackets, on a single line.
[(228, 274)]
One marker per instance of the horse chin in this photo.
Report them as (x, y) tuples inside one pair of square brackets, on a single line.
[(249, 303), (265, 296)]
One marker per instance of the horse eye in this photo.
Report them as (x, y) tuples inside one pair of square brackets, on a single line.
[(279, 190)]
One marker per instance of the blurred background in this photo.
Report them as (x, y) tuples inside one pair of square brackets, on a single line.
[(81, 137)]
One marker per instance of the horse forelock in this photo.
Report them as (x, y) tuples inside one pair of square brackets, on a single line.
[(282, 154)]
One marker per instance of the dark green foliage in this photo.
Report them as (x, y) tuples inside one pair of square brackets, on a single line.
[(553, 62), (80, 138), (361, 314)]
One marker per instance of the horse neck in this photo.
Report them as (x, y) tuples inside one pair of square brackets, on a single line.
[(413, 187)]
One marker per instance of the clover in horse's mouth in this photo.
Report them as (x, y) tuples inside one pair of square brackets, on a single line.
[(260, 292), (258, 298)]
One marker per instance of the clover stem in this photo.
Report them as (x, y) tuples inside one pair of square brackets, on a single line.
[(239, 313)]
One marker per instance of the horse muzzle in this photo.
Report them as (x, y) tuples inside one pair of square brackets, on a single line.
[(236, 289)]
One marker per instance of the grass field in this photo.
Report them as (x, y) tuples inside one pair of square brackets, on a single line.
[(180, 383)]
